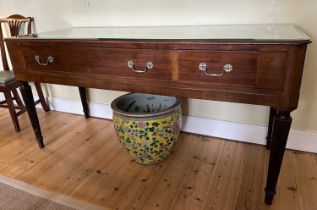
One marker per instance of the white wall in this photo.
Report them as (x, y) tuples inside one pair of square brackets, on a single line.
[(51, 15)]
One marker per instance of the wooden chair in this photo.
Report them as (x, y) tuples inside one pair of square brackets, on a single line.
[(18, 26)]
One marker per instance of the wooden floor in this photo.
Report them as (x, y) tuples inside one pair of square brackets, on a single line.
[(84, 160)]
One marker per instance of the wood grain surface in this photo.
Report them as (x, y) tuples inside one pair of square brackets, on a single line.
[(263, 73)]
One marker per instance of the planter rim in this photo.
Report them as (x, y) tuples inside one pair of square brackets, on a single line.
[(139, 115)]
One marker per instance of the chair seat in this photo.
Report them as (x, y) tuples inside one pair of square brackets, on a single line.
[(6, 77)]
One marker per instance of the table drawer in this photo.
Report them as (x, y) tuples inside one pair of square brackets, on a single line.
[(141, 63), (59, 58), (150, 64), (225, 67)]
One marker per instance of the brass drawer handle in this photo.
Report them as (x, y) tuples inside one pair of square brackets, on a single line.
[(226, 69), (149, 65), (49, 60)]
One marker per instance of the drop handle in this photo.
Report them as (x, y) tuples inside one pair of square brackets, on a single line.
[(149, 65), (49, 60), (226, 69)]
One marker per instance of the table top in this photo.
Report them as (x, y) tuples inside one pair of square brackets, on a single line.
[(255, 32)]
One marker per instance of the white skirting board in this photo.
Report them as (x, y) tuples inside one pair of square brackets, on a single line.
[(303, 141)]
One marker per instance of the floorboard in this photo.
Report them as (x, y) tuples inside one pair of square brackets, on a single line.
[(83, 159)]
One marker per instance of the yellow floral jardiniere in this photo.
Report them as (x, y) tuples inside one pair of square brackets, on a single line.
[(147, 125)]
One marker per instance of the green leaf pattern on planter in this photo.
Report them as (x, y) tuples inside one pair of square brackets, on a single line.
[(149, 140)]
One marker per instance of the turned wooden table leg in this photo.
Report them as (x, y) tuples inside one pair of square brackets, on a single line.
[(269, 129), (281, 126), (27, 95), (83, 98)]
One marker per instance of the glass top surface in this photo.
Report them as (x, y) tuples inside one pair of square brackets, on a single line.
[(260, 32)]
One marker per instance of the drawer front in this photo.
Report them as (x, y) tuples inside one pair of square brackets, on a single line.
[(209, 67), (63, 59), (150, 64)]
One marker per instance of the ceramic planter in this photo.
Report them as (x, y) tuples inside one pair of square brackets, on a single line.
[(147, 125)]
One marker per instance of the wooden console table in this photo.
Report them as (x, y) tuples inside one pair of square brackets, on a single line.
[(253, 64)]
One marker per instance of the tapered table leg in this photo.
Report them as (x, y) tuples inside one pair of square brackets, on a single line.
[(41, 97), (27, 95), (270, 126), (83, 98), (281, 126)]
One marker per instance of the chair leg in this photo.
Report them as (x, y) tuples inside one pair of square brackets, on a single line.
[(41, 97), (17, 97), (14, 117), (83, 98)]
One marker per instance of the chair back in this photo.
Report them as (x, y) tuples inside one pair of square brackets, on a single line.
[(18, 25)]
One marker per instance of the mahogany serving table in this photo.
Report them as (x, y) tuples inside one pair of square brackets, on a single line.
[(253, 64)]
